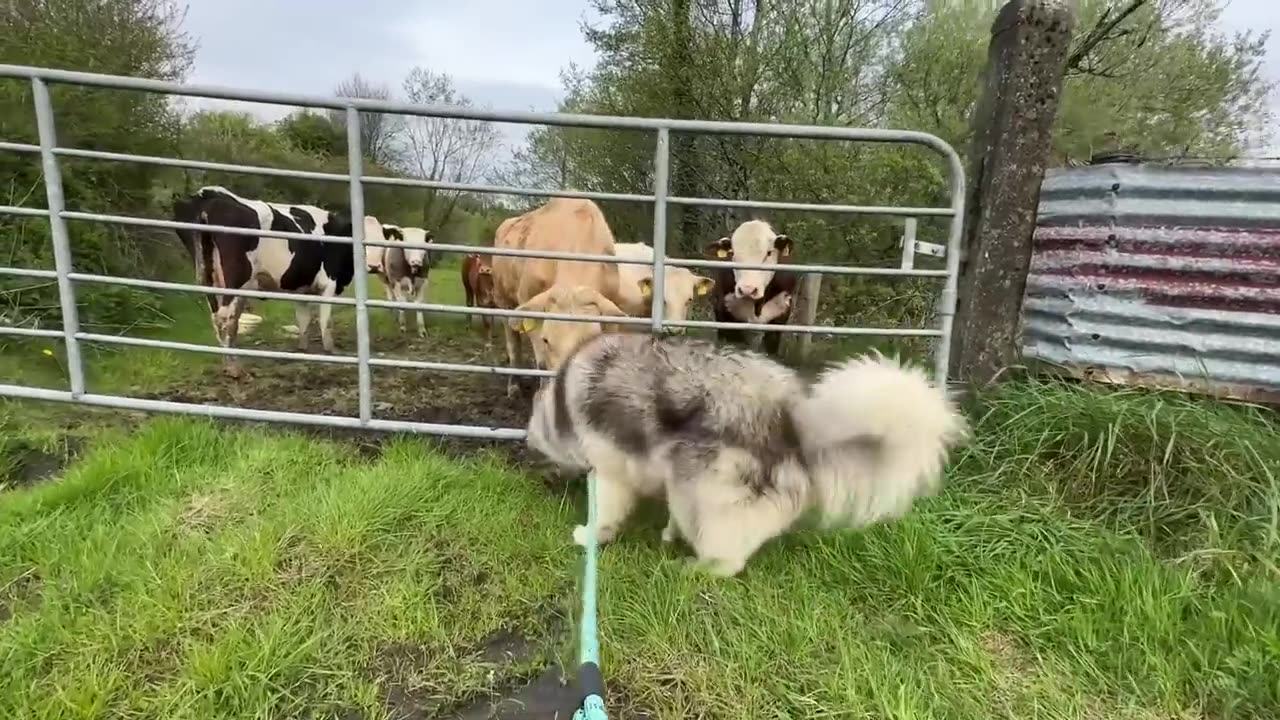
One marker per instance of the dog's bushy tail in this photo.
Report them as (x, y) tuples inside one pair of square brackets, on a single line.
[(878, 433)]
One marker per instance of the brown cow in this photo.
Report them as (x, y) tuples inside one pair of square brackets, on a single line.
[(477, 283), (562, 286)]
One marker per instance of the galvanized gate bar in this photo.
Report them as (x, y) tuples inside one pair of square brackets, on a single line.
[(508, 252), (268, 171), (58, 232), (662, 129), (236, 413), (355, 162), (661, 171), (604, 122)]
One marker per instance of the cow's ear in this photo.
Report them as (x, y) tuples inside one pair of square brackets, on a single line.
[(722, 248), (783, 245), (390, 233), (646, 287), (703, 285)]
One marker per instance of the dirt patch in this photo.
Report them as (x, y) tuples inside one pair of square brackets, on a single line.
[(461, 398), (23, 464)]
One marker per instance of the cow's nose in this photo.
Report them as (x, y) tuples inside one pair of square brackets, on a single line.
[(750, 291)]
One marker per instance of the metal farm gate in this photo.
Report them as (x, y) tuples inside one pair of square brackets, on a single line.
[(67, 279)]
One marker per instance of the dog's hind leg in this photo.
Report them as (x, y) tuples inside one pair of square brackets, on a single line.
[(729, 535), (735, 518)]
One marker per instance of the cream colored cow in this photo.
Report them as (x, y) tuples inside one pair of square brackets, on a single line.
[(562, 286)]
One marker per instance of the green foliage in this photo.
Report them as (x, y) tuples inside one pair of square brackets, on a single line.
[(130, 37), (1148, 74)]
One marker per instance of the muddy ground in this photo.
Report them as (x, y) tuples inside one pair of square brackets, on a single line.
[(463, 398)]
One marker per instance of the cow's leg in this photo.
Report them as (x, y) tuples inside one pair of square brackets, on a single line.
[(471, 301), (227, 325), (326, 320), (421, 296), (302, 313), (775, 312), (514, 343), (401, 296)]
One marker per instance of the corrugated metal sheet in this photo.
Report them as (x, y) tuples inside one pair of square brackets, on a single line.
[(1160, 276)]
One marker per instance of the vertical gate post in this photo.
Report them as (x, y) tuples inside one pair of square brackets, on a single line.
[(58, 233), (661, 170), (1013, 134), (360, 280), (806, 313)]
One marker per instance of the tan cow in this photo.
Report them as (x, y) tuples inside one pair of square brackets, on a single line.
[(561, 286), (635, 286)]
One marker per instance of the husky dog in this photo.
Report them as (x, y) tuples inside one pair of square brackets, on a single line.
[(740, 445)]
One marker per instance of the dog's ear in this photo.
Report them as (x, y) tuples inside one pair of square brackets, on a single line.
[(722, 249)]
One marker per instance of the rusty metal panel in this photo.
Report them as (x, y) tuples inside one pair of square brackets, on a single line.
[(1160, 276)]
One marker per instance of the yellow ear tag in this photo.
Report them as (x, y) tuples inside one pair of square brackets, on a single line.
[(722, 253), (702, 290), (646, 290), (528, 324)]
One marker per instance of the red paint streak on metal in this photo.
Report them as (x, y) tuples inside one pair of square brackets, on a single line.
[(1239, 272), (1180, 242)]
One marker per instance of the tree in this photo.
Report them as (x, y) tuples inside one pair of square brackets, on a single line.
[(444, 149), (313, 133), (378, 131), (129, 37), (1153, 76)]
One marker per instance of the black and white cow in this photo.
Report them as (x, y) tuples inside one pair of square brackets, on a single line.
[(225, 260), (404, 269), (755, 296)]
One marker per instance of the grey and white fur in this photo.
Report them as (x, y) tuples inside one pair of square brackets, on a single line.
[(741, 446)]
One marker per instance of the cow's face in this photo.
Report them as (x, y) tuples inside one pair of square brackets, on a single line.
[(753, 242), (484, 286), (678, 293), (375, 255), (554, 340), (415, 251)]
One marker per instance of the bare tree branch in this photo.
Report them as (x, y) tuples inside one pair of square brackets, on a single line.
[(444, 149), (378, 131)]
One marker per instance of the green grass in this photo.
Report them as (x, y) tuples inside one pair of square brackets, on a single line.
[(1095, 555)]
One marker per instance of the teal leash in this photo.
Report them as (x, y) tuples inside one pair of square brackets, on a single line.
[(590, 680)]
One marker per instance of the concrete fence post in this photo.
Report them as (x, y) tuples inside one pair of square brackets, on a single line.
[(1012, 142), (806, 313)]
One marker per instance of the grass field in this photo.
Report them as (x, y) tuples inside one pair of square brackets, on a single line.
[(1094, 555)]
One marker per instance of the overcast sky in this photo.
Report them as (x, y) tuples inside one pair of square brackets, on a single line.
[(506, 54)]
